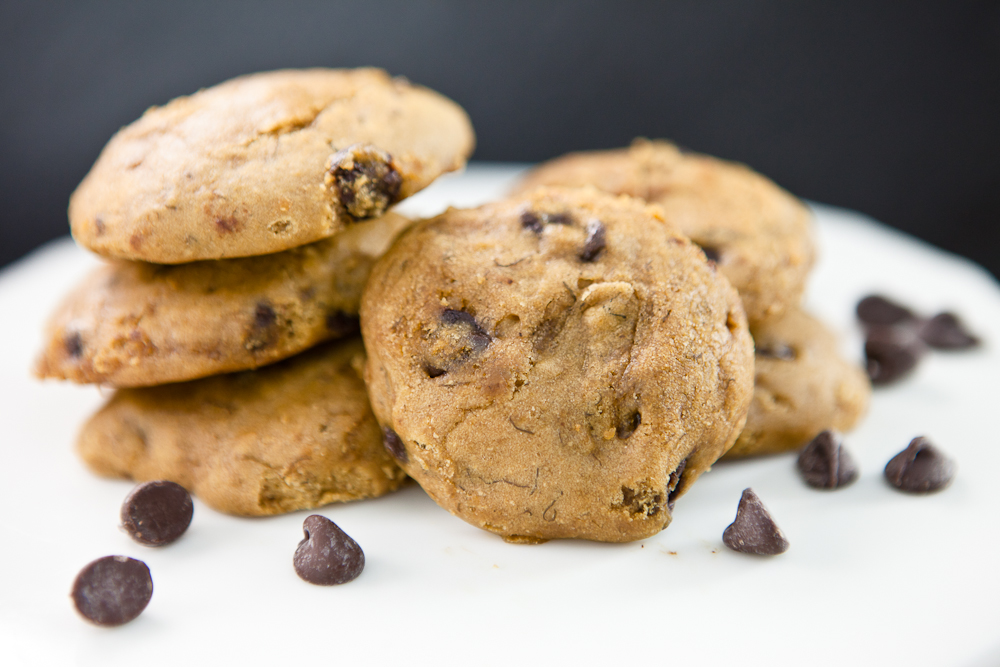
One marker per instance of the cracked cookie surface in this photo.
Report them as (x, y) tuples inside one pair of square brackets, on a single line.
[(264, 163), (296, 435), (759, 235), (560, 364), (802, 386), (134, 324)]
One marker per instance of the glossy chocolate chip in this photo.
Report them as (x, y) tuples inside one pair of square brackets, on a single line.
[(825, 464), (945, 331), (754, 531), (674, 483), (327, 556), (876, 309), (890, 354), (595, 242), (778, 351), (365, 180), (393, 445), (920, 468), (112, 590), (157, 513)]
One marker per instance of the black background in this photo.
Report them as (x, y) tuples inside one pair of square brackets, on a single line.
[(890, 109)]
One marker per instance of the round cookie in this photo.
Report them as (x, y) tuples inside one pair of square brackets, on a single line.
[(295, 435), (560, 364), (134, 324), (264, 163), (802, 387), (759, 235)]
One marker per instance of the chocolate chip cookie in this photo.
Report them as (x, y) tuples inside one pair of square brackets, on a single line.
[(264, 163), (133, 324), (802, 387), (559, 364), (759, 235), (295, 435)]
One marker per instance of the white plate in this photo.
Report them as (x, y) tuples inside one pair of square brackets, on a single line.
[(873, 576)]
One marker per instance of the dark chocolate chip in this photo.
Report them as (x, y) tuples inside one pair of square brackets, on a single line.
[(327, 555), (876, 309), (157, 513), (73, 343), (365, 179), (945, 331), (112, 590), (531, 220), (595, 241), (393, 445), (434, 371), (559, 219), (825, 464), (674, 483), (920, 468), (775, 351), (628, 427), (480, 339), (712, 254), (262, 331), (890, 354), (754, 531), (340, 324)]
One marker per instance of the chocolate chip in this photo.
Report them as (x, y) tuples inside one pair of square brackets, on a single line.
[(628, 427), (876, 309), (340, 324), (393, 445), (920, 468), (891, 354), (559, 219), (531, 220), (595, 241), (365, 180), (327, 555), (112, 590), (480, 339), (674, 483), (775, 351), (712, 254), (754, 531), (945, 331), (433, 371), (73, 343), (262, 331), (157, 513), (825, 464)]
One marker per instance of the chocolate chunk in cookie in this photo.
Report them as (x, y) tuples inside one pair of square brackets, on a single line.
[(920, 468), (157, 513), (112, 590), (327, 556), (754, 531), (365, 180)]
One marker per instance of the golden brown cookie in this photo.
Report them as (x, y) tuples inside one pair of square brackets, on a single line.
[(134, 324), (758, 234), (802, 386), (264, 163), (295, 435), (560, 364)]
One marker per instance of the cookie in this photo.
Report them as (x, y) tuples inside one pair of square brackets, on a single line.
[(296, 435), (264, 163), (560, 364), (802, 387), (759, 235), (134, 324)]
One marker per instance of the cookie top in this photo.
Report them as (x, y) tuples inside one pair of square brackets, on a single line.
[(264, 163), (759, 235), (802, 386), (296, 435), (134, 324), (559, 364)]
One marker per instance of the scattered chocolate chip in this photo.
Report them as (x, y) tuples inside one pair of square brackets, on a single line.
[(327, 555), (890, 354), (920, 468), (754, 531), (480, 339), (595, 241), (945, 331), (628, 427), (393, 445), (341, 324), (876, 309), (73, 343), (157, 513), (674, 483), (775, 351), (825, 464), (112, 590), (531, 220), (365, 180)]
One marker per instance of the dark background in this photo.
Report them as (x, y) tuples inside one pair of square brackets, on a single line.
[(890, 109)]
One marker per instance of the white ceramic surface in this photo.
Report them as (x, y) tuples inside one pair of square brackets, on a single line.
[(873, 576)]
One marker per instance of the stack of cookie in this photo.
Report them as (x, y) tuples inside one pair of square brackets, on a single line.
[(760, 238), (240, 225)]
